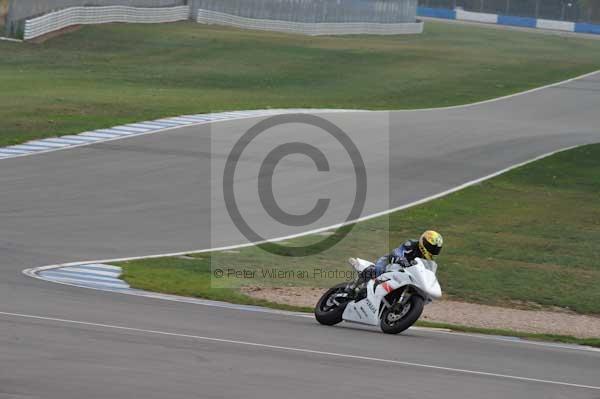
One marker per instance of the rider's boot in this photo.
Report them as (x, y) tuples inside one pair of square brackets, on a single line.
[(355, 288)]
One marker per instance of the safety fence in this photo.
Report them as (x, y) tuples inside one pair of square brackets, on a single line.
[(313, 11), (307, 28), (510, 20), (21, 10), (98, 15)]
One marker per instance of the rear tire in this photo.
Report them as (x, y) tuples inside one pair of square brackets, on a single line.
[(390, 326), (324, 312)]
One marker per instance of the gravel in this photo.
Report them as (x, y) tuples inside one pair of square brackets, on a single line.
[(560, 322)]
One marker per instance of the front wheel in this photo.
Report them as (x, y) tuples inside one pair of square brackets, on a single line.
[(330, 308), (396, 318)]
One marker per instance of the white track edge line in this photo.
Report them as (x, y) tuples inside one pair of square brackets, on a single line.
[(229, 305), (491, 100), (267, 112), (335, 226), (33, 272), (304, 350)]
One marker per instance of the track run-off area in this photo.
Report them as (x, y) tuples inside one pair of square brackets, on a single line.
[(154, 194)]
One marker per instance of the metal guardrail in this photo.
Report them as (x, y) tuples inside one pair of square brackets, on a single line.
[(312, 17), (97, 15), (20, 10)]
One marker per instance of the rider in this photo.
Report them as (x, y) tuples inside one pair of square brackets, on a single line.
[(426, 247)]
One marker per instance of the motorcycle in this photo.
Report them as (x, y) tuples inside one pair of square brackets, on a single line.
[(393, 301)]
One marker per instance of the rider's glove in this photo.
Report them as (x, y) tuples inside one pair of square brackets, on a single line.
[(399, 260)]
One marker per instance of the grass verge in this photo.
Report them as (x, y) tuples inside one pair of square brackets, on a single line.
[(185, 277), (195, 280), (105, 75), (595, 342), (525, 239)]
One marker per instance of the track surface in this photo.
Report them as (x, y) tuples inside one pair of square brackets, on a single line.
[(153, 194)]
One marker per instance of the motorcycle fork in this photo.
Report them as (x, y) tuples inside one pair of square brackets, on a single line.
[(404, 297)]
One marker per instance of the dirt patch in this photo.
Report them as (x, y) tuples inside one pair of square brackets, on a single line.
[(463, 313)]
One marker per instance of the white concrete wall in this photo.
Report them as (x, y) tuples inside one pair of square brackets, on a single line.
[(98, 15), (555, 25), (460, 14), (347, 28), (476, 16)]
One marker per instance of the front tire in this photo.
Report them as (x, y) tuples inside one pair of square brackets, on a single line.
[(327, 312), (394, 321)]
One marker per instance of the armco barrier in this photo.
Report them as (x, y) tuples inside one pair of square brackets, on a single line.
[(321, 28), (517, 21), (462, 15), (436, 12), (21, 10), (97, 15), (24, 9)]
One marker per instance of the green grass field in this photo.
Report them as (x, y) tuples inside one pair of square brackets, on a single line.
[(525, 239), (528, 238), (104, 75)]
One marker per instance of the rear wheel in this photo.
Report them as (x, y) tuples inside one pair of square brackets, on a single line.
[(398, 318), (331, 306)]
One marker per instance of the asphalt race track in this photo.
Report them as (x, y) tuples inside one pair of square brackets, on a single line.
[(156, 194)]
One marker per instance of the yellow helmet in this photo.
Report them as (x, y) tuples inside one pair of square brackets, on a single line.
[(430, 244)]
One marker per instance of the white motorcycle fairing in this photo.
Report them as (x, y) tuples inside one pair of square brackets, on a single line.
[(360, 264), (420, 276)]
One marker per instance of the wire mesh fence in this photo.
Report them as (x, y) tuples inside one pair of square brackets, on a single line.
[(316, 11), (14, 12), (560, 10)]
